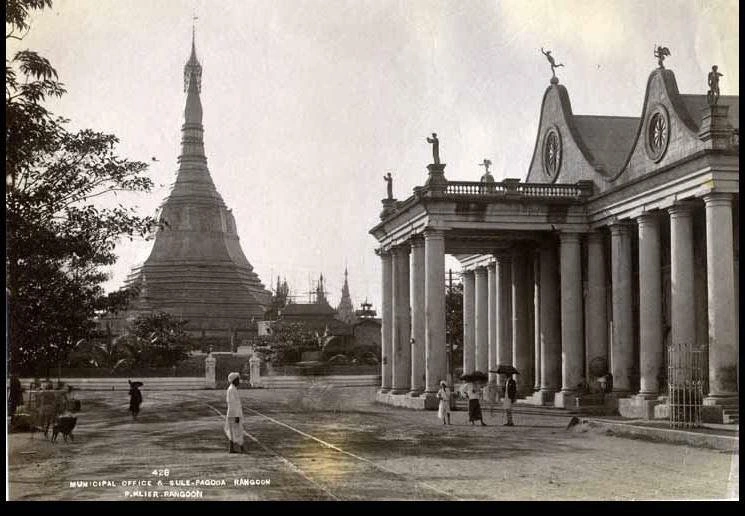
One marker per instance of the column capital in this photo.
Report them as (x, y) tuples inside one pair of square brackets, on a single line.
[(402, 248), (467, 272), (492, 266), (434, 234), (594, 237), (416, 240), (621, 227), (681, 209), (569, 238), (504, 257), (718, 199), (648, 217), (383, 252), (480, 270)]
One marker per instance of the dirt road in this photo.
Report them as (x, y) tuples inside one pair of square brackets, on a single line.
[(336, 444)]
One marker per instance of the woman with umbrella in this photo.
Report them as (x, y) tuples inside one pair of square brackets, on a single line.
[(473, 389), (135, 398), (510, 390)]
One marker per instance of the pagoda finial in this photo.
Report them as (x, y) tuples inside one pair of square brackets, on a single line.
[(193, 70)]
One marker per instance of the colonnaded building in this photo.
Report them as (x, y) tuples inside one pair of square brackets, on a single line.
[(621, 240), (196, 269)]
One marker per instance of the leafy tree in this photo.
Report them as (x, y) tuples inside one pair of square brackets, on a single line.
[(287, 342), (454, 322), (154, 340), (59, 233)]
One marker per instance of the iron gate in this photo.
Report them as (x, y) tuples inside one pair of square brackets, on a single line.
[(686, 377)]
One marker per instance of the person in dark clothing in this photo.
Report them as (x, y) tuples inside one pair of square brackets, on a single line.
[(510, 397), (15, 396), (135, 398)]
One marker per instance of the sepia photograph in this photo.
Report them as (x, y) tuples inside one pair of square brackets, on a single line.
[(372, 250)]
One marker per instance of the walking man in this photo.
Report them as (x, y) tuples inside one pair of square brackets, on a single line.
[(234, 415), (510, 396)]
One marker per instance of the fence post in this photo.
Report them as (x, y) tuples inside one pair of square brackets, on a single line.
[(254, 364), (209, 372)]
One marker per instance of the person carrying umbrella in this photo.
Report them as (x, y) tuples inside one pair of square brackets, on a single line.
[(510, 397), (135, 398), (473, 390)]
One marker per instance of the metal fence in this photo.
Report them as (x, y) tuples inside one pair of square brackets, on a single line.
[(686, 380)]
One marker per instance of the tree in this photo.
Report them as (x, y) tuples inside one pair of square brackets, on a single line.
[(287, 342), (59, 233), (454, 321), (154, 340)]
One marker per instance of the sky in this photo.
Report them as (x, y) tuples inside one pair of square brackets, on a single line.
[(308, 103)]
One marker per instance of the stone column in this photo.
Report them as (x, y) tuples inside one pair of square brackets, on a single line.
[(537, 321), (723, 338), (417, 316), (682, 299), (504, 311), (481, 328), (386, 336), (469, 319), (572, 341), (650, 305), (550, 324), (492, 340), (401, 371), (254, 367), (434, 253), (521, 346), (622, 348), (596, 313)]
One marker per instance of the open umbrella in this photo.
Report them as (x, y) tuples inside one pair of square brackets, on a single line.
[(505, 369), (475, 377), (136, 384)]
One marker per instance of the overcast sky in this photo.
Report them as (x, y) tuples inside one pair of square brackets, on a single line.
[(308, 103)]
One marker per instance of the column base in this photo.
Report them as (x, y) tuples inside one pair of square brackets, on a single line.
[(403, 390), (565, 399), (647, 395), (639, 406), (727, 400), (415, 393), (540, 398), (383, 390)]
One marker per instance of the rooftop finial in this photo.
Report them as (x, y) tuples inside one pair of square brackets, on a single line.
[(660, 53), (554, 66)]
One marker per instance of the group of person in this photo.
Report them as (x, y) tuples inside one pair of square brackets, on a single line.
[(474, 393)]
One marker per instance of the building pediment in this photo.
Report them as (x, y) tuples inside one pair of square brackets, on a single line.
[(612, 150)]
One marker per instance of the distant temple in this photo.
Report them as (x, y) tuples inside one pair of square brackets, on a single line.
[(197, 270), (345, 310)]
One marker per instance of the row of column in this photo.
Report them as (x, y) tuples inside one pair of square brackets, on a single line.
[(500, 302), (569, 330)]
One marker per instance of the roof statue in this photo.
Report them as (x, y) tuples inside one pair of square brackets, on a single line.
[(712, 96), (435, 148), (660, 53), (487, 177), (389, 179), (553, 64)]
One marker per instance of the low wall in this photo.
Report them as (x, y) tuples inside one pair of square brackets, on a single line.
[(120, 384), (296, 382)]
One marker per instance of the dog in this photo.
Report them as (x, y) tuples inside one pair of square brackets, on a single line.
[(64, 425)]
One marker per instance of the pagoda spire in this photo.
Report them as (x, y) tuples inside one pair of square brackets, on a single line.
[(345, 310)]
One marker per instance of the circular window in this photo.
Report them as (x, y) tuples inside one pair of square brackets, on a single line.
[(552, 153), (658, 133)]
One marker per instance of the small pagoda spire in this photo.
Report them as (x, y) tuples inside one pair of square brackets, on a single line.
[(345, 310)]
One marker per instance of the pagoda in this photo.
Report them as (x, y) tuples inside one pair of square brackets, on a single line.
[(197, 270)]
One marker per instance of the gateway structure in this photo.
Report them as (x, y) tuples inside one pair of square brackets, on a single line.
[(621, 239), (197, 270)]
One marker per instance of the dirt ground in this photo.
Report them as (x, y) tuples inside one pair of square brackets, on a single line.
[(337, 444)]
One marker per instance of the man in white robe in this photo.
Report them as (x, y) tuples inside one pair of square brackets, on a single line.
[(234, 415)]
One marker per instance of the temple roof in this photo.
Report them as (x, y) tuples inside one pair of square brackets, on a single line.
[(608, 138)]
